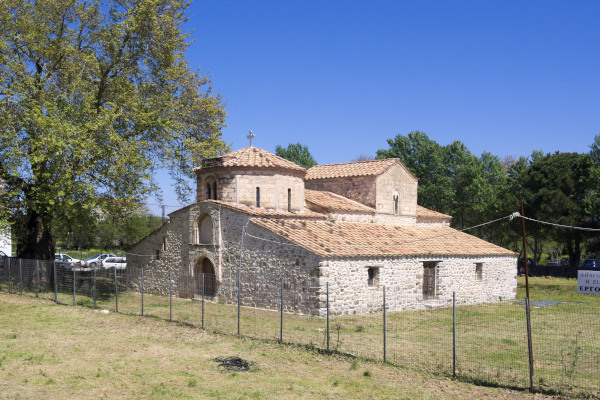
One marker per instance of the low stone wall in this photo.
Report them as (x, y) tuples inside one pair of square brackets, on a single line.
[(350, 293)]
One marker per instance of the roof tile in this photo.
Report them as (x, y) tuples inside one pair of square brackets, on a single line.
[(425, 213), (328, 239), (358, 168), (335, 202), (250, 157)]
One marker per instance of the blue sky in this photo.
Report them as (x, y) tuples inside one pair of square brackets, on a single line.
[(342, 77)]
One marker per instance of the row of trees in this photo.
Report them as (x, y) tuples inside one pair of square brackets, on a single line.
[(106, 227), (562, 188)]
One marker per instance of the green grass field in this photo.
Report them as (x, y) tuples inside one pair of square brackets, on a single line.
[(491, 342), (50, 351)]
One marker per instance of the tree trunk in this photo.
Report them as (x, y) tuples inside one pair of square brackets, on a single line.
[(36, 241), (574, 256)]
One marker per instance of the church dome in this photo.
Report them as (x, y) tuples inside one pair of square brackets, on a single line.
[(251, 157), (252, 177)]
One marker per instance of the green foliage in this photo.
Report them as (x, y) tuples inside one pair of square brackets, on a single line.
[(561, 188), (593, 199), (454, 181), (296, 153), (558, 187), (108, 228), (94, 98)]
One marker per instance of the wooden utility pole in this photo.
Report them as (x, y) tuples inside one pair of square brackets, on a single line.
[(525, 252), (527, 308)]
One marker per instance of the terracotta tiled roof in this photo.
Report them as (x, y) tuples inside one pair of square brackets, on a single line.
[(425, 213), (328, 239), (335, 202), (358, 168), (262, 212), (250, 157)]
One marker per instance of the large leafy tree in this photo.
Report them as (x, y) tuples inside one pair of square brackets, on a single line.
[(593, 199), (95, 96), (557, 189), (296, 153)]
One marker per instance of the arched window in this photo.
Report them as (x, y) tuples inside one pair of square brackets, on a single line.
[(214, 191), (257, 196), (205, 231), (208, 192), (289, 200), (395, 207)]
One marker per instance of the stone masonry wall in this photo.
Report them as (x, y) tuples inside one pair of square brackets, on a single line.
[(350, 293), (156, 270), (401, 220), (361, 188), (432, 222), (397, 179), (273, 186), (265, 262), (383, 219), (196, 251), (268, 258)]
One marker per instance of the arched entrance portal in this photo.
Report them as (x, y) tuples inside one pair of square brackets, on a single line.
[(210, 280)]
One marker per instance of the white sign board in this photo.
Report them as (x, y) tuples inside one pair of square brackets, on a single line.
[(588, 282)]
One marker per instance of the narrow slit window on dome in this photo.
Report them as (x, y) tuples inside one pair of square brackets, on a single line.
[(289, 200), (257, 196)]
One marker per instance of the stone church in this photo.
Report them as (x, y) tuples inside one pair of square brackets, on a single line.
[(350, 228)]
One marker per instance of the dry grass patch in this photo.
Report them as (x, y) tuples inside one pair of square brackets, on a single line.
[(53, 351)]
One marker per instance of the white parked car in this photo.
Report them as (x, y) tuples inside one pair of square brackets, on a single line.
[(96, 261), (115, 262), (65, 260)]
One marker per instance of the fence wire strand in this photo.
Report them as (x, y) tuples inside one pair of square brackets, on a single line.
[(491, 341)]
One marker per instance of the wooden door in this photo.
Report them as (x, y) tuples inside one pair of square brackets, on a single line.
[(429, 282)]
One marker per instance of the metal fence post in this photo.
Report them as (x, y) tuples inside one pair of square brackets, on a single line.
[(454, 334), (384, 326), (239, 279), (170, 297), (21, 276), (55, 281), (116, 292), (94, 286), (327, 285), (203, 301), (142, 290), (281, 315), (74, 287), (37, 278), (529, 345), (9, 277)]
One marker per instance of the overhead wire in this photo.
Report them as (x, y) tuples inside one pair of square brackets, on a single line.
[(510, 217)]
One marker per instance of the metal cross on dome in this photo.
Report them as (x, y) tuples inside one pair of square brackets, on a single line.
[(250, 136)]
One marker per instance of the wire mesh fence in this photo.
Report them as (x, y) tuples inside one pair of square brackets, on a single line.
[(484, 342)]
